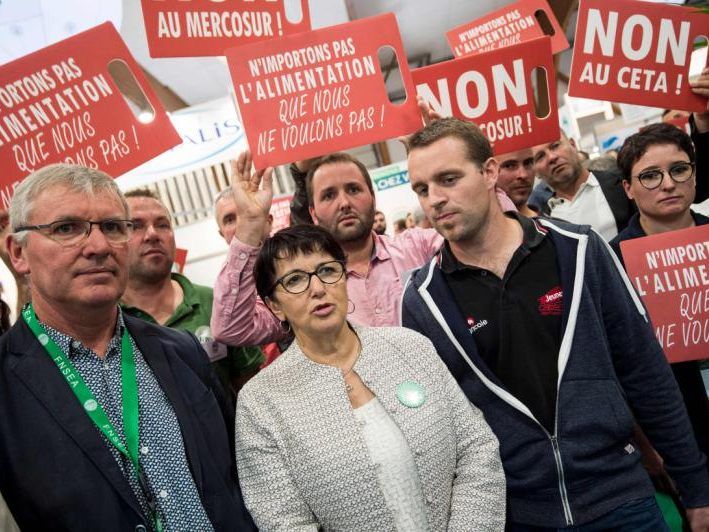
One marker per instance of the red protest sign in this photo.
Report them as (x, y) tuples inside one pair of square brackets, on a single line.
[(196, 28), (180, 259), (495, 91), (321, 91), (636, 52), (280, 210), (60, 104), (671, 273), (513, 24)]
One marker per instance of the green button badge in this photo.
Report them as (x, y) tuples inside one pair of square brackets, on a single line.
[(411, 394)]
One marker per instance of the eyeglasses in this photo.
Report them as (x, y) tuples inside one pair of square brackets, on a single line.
[(72, 232), (298, 281), (678, 172)]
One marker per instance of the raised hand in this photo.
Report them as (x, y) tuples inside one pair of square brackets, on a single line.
[(252, 193), (700, 86)]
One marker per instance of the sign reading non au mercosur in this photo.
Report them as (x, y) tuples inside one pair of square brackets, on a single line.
[(513, 24), (636, 52), (197, 28), (670, 271), (321, 91), (60, 104), (495, 91)]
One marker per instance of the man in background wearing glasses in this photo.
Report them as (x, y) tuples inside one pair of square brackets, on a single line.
[(107, 422)]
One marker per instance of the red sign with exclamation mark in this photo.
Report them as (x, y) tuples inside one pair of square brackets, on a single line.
[(201, 28), (496, 91), (637, 52)]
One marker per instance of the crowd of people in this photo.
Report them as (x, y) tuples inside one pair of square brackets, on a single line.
[(490, 367)]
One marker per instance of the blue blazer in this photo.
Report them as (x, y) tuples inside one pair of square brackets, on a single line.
[(56, 471)]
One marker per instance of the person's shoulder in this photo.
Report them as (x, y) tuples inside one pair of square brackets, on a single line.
[(563, 227), (408, 342), (181, 341)]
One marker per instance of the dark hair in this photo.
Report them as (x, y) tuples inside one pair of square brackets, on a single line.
[(478, 148), (142, 193), (636, 145), (286, 244), (334, 158)]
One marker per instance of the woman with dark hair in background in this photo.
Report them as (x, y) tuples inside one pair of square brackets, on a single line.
[(659, 173), (356, 428)]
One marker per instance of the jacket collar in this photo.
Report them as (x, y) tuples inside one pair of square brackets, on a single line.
[(37, 371)]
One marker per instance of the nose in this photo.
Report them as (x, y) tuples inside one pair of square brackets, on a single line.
[(317, 287), (96, 243), (436, 196), (667, 182)]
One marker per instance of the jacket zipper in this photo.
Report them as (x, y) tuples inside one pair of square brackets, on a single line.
[(562, 484)]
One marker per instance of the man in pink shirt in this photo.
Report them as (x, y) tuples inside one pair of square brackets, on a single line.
[(341, 198)]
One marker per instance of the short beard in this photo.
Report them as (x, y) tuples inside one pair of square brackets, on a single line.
[(363, 230), (149, 275)]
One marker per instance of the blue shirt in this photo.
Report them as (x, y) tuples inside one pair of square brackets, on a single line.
[(162, 452)]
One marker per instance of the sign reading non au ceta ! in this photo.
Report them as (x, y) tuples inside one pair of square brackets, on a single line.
[(61, 104), (636, 52)]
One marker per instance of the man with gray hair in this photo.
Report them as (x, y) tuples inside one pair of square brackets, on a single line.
[(106, 421)]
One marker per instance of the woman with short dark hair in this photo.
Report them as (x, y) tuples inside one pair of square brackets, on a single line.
[(356, 428)]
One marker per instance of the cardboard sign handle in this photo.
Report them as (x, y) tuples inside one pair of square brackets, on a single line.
[(132, 92), (544, 22), (389, 67), (540, 86)]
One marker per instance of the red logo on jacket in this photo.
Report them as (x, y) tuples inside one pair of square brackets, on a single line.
[(551, 303)]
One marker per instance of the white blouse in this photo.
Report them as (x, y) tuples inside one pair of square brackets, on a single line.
[(396, 470)]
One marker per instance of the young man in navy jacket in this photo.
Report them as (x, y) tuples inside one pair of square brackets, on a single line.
[(544, 333)]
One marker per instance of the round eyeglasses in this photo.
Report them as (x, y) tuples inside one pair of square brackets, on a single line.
[(298, 281), (678, 172), (73, 232)]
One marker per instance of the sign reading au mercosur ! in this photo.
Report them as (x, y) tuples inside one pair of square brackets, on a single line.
[(321, 91), (196, 28), (61, 104), (636, 52), (495, 91), (513, 24), (670, 271)]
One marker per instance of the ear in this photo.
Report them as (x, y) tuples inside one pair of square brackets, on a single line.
[(573, 143), (490, 170), (626, 187), (17, 255), (311, 210), (275, 307)]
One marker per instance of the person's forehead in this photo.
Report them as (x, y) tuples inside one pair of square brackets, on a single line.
[(225, 205), (516, 156), (61, 202), (337, 174), (145, 207), (437, 156), (301, 261), (661, 152)]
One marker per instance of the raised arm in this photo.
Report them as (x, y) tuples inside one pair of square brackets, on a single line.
[(239, 317)]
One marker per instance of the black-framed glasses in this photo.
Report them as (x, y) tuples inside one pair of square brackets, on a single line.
[(73, 232), (678, 172), (298, 281)]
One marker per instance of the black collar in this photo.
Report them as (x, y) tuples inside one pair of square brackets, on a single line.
[(533, 234)]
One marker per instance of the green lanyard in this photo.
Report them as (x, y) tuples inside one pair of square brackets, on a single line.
[(92, 407)]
